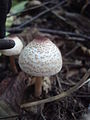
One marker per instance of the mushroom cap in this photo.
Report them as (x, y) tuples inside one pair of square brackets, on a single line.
[(40, 58), (16, 49)]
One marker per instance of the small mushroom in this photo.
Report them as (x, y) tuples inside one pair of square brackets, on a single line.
[(40, 58), (13, 51)]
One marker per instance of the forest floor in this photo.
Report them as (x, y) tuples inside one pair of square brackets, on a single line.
[(67, 24)]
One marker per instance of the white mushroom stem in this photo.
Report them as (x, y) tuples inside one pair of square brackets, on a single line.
[(38, 86), (41, 83), (13, 65)]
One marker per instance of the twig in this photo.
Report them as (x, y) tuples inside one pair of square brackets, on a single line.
[(73, 50), (38, 15), (78, 37), (42, 115), (31, 8), (53, 12), (60, 96), (59, 32), (12, 116), (59, 83), (85, 6)]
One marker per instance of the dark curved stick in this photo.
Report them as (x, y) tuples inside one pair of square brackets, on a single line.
[(6, 44)]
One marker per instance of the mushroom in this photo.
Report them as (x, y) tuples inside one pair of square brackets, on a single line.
[(40, 58), (13, 51)]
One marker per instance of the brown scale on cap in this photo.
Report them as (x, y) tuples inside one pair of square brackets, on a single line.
[(41, 39)]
